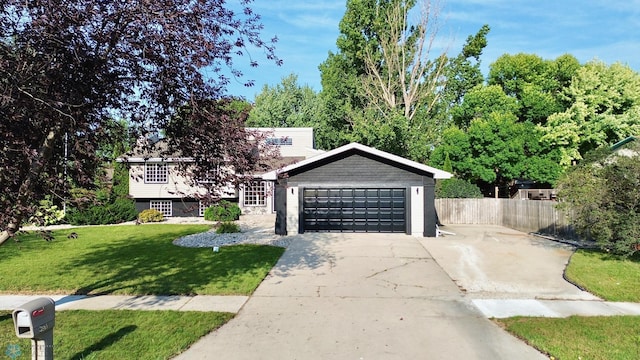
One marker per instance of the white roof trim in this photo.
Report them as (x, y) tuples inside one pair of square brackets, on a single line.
[(437, 173)]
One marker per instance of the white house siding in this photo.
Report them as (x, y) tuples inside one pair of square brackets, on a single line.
[(175, 185), (302, 142)]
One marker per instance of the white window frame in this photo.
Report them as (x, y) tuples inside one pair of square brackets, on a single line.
[(280, 141), (156, 173), (164, 206), (201, 208), (255, 194)]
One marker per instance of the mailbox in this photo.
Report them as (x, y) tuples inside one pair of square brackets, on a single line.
[(34, 318)]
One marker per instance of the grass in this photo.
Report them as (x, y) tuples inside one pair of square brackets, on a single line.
[(594, 338), (606, 276), (132, 260), (118, 334)]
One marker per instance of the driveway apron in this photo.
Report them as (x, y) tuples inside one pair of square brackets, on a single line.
[(358, 296)]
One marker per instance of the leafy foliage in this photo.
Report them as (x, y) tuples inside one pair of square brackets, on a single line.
[(150, 215), (604, 109), (604, 195), (383, 88), (109, 204), (47, 214), (480, 102), (537, 84), (228, 227), (222, 211), (457, 188), (286, 105), (68, 67), (212, 147), (497, 149)]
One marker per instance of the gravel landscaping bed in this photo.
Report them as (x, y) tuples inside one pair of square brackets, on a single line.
[(211, 239), (254, 230)]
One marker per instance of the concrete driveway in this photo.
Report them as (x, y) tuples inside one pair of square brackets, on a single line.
[(360, 296), (494, 262)]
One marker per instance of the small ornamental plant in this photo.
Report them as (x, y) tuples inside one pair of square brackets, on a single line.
[(222, 211), (150, 215), (228, 228)]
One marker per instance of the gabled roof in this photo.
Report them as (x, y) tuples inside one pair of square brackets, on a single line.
[(437, 173)]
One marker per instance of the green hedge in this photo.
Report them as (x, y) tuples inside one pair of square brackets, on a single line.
[(457, 188), (121, 210)]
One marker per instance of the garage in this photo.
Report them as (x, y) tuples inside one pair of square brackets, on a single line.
[(354, 210), (355, 188)]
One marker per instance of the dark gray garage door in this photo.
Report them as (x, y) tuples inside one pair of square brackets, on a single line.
[(354, 210)]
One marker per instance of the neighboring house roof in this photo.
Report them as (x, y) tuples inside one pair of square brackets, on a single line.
[(437, 173)]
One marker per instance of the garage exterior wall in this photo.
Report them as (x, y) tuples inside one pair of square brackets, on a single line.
[(361, 171), (356, 170)]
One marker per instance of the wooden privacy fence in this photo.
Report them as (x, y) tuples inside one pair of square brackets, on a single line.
[(523, 215)]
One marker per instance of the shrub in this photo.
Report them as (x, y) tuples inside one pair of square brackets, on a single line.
[(47, 214), (150, 215), (604, 198), (227, 228), (223, 211), (457, 188), (120, 210)]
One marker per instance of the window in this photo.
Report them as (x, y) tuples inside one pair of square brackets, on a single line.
[(155, 173), (285, 140), (201, 209), (255, 193), (164, 206)]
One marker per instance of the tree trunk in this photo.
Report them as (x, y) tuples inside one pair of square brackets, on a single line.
[(26, 191)]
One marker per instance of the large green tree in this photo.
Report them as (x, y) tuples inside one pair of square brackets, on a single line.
[(604, 109), (67, 67), (463, 72), (536, 83), (287, 104), (482, 101), (381, 86), (496, 150)]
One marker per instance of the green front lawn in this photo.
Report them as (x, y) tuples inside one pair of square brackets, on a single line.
[(116, 334), (606, 276), (135, 260), (593, 338)]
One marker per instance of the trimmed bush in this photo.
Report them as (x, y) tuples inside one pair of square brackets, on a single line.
[(223, 211), (457, 188), (119, 211), (150, 215), (227, 228)]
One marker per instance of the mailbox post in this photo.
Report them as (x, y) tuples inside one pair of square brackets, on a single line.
[(35, 320)]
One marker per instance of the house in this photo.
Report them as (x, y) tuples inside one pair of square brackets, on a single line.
[(353, 188), (356, 188), (155, 182)]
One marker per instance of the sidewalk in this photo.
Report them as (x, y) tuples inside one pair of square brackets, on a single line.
[(231, 304), (553, 308), (490, 308)]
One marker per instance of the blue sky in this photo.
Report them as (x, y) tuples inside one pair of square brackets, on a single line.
[(588, 29)]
